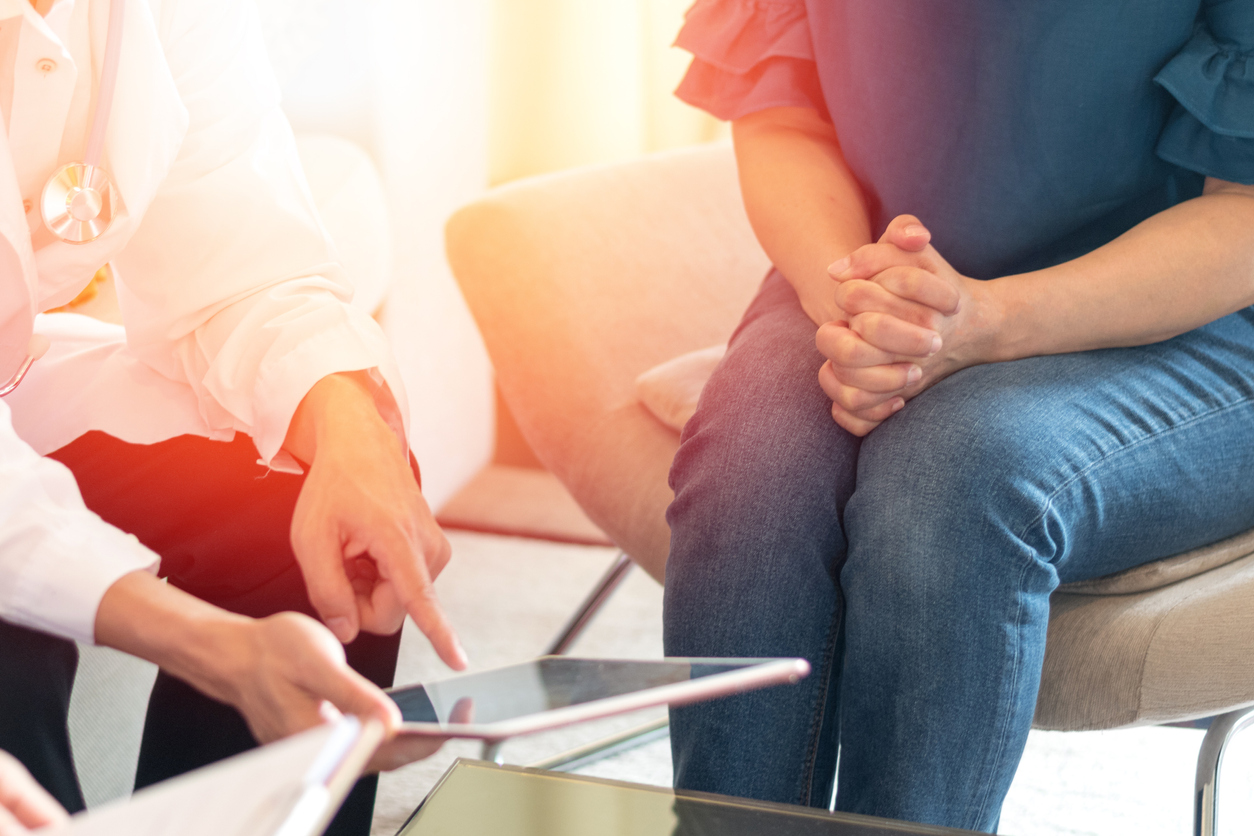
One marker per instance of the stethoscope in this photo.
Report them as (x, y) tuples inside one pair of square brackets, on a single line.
[(78, 200)]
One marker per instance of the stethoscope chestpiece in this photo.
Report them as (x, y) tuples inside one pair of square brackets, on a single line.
[(79, 202)]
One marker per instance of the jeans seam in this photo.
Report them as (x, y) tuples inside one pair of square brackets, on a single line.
[(1103, 459), (816, 724), (1004, 731)]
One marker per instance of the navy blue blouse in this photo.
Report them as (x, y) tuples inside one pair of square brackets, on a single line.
[(1024, 133)]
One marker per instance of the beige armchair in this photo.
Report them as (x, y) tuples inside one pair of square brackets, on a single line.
[(583, 280)]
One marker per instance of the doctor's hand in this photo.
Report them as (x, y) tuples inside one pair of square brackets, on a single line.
[(284, 673), (407, 748), (24, 805), (366, 542), (911, 320)]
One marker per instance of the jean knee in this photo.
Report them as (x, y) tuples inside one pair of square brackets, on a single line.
[(943, 508), (760, 479), (762, 443)]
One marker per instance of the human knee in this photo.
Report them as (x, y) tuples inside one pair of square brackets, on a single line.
[(760, 438), (759, 479), (942, 503)]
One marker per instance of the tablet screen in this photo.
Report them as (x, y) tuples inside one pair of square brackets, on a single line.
[(545, 684)]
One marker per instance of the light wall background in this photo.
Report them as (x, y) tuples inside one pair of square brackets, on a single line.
[(449, 98), (580, 82), (575, 82)]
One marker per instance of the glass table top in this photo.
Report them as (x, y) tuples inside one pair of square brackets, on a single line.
[(477, 798)]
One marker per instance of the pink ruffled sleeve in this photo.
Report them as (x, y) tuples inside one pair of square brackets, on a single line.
[(749, 55)]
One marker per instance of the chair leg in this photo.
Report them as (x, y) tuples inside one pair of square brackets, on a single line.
[(591, 605), (492, 751), (1209, 761), (574, 628)]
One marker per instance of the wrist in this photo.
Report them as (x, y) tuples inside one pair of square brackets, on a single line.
[(216, 654), (338, 406), (818, 300), (999, 321), (207, 647)]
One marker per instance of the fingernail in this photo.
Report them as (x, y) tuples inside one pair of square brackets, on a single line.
[(916, 229), (914, 374), (898, 404), (836, 268), (341, 627), (936, 345)]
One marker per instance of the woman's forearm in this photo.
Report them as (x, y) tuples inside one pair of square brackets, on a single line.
[(805, 206), (1174, 272)]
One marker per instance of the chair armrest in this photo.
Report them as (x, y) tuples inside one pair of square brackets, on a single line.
[(580, 281)]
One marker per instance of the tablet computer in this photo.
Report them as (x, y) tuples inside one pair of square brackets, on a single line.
[(557, 690)]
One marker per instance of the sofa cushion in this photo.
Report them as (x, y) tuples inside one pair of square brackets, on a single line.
[(670, 390)]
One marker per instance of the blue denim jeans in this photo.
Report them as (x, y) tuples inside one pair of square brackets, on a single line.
[(913, 568)]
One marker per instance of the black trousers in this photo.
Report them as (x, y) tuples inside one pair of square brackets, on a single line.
[(221, 524)]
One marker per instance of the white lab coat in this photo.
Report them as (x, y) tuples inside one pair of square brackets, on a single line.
[(233, 303)]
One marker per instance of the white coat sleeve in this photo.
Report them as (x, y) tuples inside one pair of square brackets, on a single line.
[(230, 283), (57, 559)]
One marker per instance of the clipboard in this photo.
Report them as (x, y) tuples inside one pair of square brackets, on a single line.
[(291, 787)]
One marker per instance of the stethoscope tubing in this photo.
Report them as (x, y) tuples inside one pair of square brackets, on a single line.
[(108, 83), (18, 377), (95, 142), (36, 348)]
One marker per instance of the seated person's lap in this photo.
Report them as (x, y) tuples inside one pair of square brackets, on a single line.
[(1124, 446), (957, 516), (1096, 461)]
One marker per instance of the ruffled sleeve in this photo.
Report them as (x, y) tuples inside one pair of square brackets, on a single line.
[(749, 55), (1211, 130)]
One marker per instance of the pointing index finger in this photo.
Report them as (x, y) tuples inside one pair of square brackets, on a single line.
[(406, 569)]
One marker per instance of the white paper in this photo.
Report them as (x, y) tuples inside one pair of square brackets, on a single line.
[(276, 789)]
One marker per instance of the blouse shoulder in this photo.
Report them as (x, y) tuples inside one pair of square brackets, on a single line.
[(1211, 130), (748, 55)]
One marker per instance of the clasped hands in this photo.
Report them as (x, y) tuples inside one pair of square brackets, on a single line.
[(907, 319)]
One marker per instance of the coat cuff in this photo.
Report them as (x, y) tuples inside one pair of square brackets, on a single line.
[(356, 344), (71, 565)]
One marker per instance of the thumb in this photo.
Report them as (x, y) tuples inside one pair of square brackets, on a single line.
[(327, 676), (906, 232), (9, 825), (463, 711), (352, 693)]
